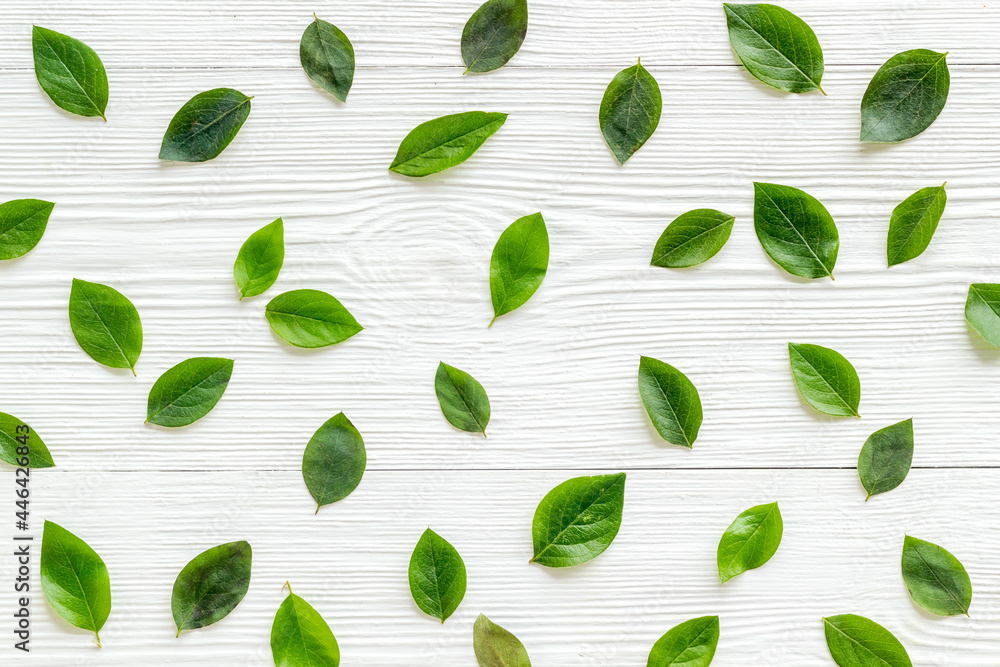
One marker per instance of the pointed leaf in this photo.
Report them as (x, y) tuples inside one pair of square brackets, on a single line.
[(310, 318), (796, 230), (855, 641), (463, 400), (188, 391), (825, 379), (22, 223), (885, 458), (444, 142), (750, 541), (692, 238), (105, 324), (70, 72), (577, 520), (671, 401), (935, 579), (334, 461), (690, 644), (776, 46), (630, 111), (493, 34), (327, 56), (260, 259), (211, 585), (905, 96), (21, 446), (913, 224), (300, 637), (205, 125), (437, 576), (519, 262), (497, 647), (982, 310), (74, 579)]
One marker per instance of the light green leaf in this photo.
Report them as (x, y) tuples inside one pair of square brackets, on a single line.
[(463, 400), (300, 637), (671, 401), (630, 111), (935, 579), (310, 318), (913, 224), (518, 265), (327, 56), (982, 310), (205, 125), (211, 585), (74, 579), (905, 96), (497, 647), (259, 260), (188, 391), (22, 223), (796, 230), (825, 379), (70, 73), (855, 641), (445, 142), (21, 446), (577, 520), (105, 324), (750, 541), (885, 459), (493, 34), (690, 644), (334, 461), (692, 238), (437, 576)]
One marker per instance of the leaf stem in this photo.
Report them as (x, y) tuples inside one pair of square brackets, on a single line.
[(98, 635)]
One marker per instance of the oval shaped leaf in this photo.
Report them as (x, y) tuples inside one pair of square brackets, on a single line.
[(105, 324), (885, 458), (577, 520), (188, 391), (437, 576), (935, 579), (211, 585), (259, 260), (493, 34), (913, 224), (205, 125), (21, 446), (982, 310), (690, 644), (671, 401), (300, 637), (630, 111), (463, 400), (310, 318), (74, 579), (855, 641), (692, 238), (750, 541), (334, 461), (776, 46), (796, 230), (445, 142), (22, 223), (825, 379), (497, 647), (518, 265), (70, 73), (905, 96), (327, 56)]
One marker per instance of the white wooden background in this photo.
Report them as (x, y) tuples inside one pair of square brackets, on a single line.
[(410, 259)]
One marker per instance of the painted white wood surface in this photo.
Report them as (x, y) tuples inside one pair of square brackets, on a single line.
[(410, 259)]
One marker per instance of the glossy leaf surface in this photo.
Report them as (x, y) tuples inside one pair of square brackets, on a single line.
[(105, 324), (334, 461), (437, 576), (205, 125), (905, 96), (445, 142), (750, 541), (310, 318), (188, 391), (22, 224), (630, 111), (577, 520), (776, 46), (826, 380), (211, 585)]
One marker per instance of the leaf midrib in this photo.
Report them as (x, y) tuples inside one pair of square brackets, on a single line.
[(829, 271), (670, 405), (760, 525), (444, 144), (197, 129), (187, 391), (913, 229), (93, 103), (774, 48), (107, 329), (572, 523), (694, 238), (827, 382), (83, 590), (904, 96), (933, 571)]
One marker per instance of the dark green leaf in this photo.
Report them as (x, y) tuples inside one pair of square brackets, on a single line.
[(905, 96), (22, 223), (671, 401), (463, 400), (825, 379), (18, 440), (497, 647), (188, 391), (70, 73), (855, 641), (630, 111), (205, 125), (300, 637), (935, 579), (310, 318), (982, 310), (105, 324), (334, 461), (493, 34), (913, 224), (437, 576), (211, 585), (692, 238), (519, 262), (327, 56), (776, 46), (260, 259), (74, 579), (690, 644), (577, 520), (885, 459), (750, 541), (445, 142), (796, 230)]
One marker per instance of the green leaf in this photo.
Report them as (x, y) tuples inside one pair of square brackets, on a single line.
[(260, 259), (885, 459), (750, 541), (935, 579), (855, 641), (327, 56), (577, 520), (437, 576), (518, 265), (310, 318), (690, 644), (497, 647), (692, 238), (334, 461), (18, 440), (205, 125), (22, 223), (493, 34), (188, 391), (825, 379), (70, 73), (630, 111), (776, 46), (913, 224), (105, 324), (905, 96), (982, 310), (671, 401), (211, 585), (74, 579), (796, 230), (463, 400), (300, 637), (445, 142)]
